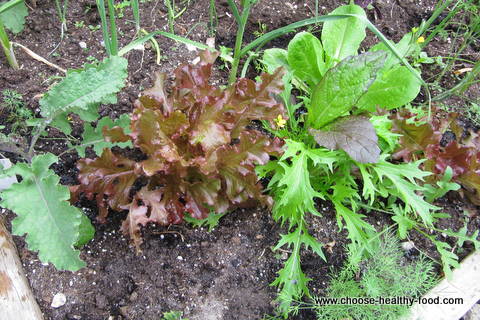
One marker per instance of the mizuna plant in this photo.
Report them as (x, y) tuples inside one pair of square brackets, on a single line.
[(196, 151), (340, 141)]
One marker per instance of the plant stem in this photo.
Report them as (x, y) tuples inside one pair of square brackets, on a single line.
[(113, 28), (213, 21), (105, 32), (237, 53), (7, 48), (136, 14), (171, 15)]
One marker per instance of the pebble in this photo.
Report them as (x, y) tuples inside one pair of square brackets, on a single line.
[(82, 44), (58, 300), (408, 245)]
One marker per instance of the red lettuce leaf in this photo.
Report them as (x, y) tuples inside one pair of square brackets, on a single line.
[(197, 154)]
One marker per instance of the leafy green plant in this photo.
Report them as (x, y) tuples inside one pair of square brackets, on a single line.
[(80, 92), (211, 221), (18, 115), (339, 149), (62, 9), (385, 274), (196, 153), (12, 17)]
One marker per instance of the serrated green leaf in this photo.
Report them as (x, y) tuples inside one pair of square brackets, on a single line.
[(14, 17), (443, 186), (296, 195), (50, 222), (305, 57), (341, 38), (358, 229), (94, 136), (79, 90), (312, 243), (403, 184), (462, 236), (211, 221), (449, 259), (342, 87), (392, 89)]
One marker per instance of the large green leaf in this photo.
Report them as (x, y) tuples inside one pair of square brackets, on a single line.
[(14, 17), (342, 87), (275, 58), (394, 88), (305, 57), (43, 213), (341, 38), (79, 90)]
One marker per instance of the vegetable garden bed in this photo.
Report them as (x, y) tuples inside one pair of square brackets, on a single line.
[(226, 272)]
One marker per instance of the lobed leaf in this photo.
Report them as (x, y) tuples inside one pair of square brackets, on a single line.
[(53, 227), (95, 138)]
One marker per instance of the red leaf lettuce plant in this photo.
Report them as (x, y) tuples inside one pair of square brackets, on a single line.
[(197, 151)]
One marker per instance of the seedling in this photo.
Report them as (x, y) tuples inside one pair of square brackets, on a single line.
[(12, 17)]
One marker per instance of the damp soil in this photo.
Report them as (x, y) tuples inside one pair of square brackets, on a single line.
[(223, 274)]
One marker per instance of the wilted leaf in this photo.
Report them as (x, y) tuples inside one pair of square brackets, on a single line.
[(355, 135)]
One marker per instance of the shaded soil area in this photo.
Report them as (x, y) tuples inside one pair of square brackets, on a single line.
[(224, 274)]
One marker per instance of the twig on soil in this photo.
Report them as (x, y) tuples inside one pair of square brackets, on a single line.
[(170, 232), (39, 58)]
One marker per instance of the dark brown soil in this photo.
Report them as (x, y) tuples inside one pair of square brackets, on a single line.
[(224, 274)]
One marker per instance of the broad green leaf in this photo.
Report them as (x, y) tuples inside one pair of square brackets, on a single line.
[(394, 88), (52, 225), (86, 231), (342, 87), (341, 38), (354, 134), (94, 136), (275, 58), (404, 48), (305, 57), (14, 17), (79, 90)]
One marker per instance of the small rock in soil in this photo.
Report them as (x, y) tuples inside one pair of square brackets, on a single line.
[(58, 300)]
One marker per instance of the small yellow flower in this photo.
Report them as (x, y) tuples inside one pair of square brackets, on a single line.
[(69, 118), (421, 39), (280, 121)]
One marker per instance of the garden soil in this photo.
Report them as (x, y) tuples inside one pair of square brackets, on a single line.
[(223, 274)]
